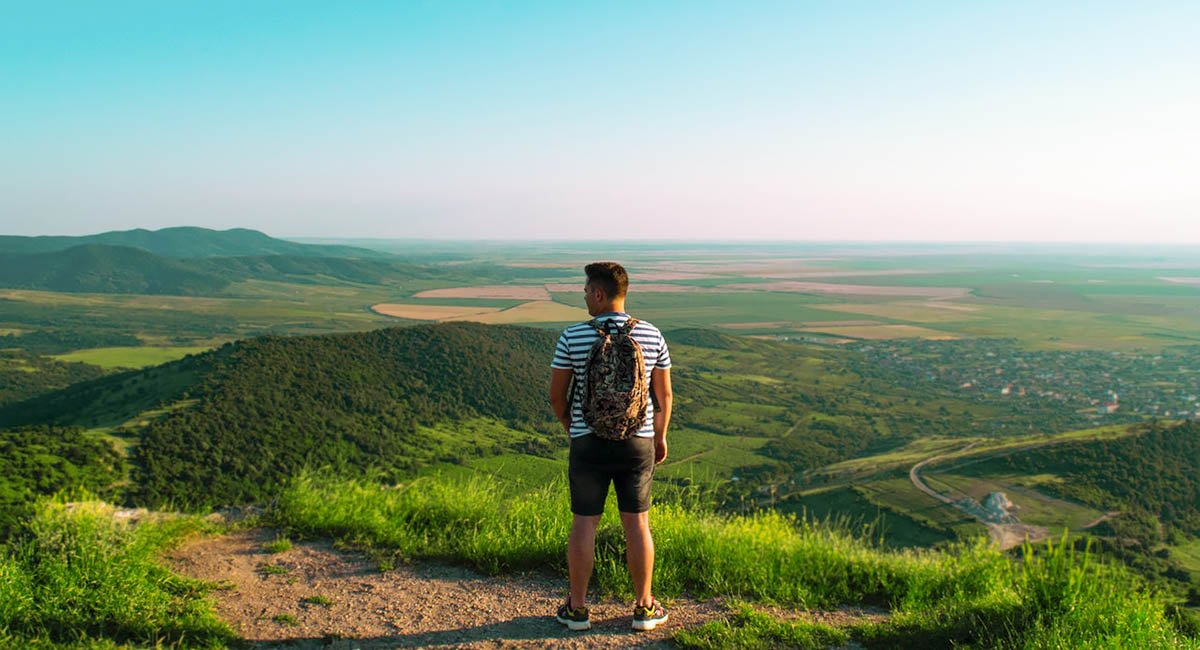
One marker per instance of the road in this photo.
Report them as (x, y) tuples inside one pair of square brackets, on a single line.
[(1005, 535)]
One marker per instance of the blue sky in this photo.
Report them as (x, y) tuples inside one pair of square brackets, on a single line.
[(738, 120)]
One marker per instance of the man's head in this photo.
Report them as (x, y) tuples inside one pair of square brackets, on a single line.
[(606, 285)]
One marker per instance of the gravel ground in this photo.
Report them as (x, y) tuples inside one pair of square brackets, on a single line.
[(425, 605)]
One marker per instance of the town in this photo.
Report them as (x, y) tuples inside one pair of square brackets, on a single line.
[(1033, 387)]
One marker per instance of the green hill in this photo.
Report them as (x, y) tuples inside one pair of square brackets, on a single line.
[(241, 418), (185, 242), (259, 410), (97, 268)]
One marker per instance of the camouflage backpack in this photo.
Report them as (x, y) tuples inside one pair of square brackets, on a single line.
[(614, 383)]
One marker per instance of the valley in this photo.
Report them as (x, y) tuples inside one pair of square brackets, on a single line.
[(915, 397)]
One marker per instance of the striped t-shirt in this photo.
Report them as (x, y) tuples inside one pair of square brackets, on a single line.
[(572, 353)]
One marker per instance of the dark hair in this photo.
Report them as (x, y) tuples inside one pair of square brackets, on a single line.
[(609, 276)]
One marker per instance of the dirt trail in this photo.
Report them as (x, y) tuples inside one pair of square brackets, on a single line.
[(426, 605)]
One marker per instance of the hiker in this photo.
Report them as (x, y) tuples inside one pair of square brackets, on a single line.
[(610, 387)]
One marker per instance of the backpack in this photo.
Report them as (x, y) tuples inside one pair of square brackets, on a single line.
[(615, 394)]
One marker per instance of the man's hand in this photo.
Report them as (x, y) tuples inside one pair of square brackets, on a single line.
[(560, 389), (660, 390)]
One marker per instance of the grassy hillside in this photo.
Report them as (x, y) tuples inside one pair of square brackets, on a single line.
[(81, 577), (107, 269), (37, 461), (259, 410), (24, 375), (968, 595)]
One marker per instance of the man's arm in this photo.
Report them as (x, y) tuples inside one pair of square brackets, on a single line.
[(560, 386), (660, 388)]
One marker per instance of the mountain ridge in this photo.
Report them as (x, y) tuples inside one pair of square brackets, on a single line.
[(186, 242), (106, 268)]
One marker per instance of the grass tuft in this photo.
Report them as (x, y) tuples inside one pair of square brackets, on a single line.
[(278, 545), (273, 570), (79, 577)]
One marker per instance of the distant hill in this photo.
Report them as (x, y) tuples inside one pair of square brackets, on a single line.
[(187, 241), (107, 269), (98, 268), (249, 415)]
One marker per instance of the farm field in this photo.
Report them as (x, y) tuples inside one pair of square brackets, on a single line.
[(131, 356), (1045, 299)]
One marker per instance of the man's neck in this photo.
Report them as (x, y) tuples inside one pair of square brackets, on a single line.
[(614, 308)]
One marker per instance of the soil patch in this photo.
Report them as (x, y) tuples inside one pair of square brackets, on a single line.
[(501, 292), (538, 311), (428, 312)]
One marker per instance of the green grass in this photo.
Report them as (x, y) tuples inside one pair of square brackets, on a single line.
[(79, 578), (318, 600), (848, 508), (273, 570), (286, 620), (900, 496), (967, 593), (278, 545), (746, 627), (1188, 555), (130, 357)]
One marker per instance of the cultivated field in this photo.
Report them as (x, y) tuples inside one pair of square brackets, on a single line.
[(428, 312), (490, 291), (130, 356), (538, 311)]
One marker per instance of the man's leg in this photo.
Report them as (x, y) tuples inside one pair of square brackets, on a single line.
[(581, 555), (639, 553)]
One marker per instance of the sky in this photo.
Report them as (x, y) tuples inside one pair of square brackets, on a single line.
[(841, 120)]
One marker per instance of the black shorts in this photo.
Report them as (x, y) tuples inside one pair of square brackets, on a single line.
[(628, 464)]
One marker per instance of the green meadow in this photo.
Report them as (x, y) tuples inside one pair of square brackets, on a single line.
[(130, 357)]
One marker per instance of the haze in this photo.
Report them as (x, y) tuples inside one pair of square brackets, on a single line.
[(801, 121)]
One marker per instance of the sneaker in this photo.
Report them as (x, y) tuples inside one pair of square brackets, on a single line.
[(575, 618), (647, 617)]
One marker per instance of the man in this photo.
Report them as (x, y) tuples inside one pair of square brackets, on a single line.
[(595, 462)]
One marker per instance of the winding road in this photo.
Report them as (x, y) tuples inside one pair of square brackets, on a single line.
[(1006, 535)]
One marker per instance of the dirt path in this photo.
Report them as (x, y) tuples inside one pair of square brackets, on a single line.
[(353, 606), (914, 475), (1101, 519), (428, 605)]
